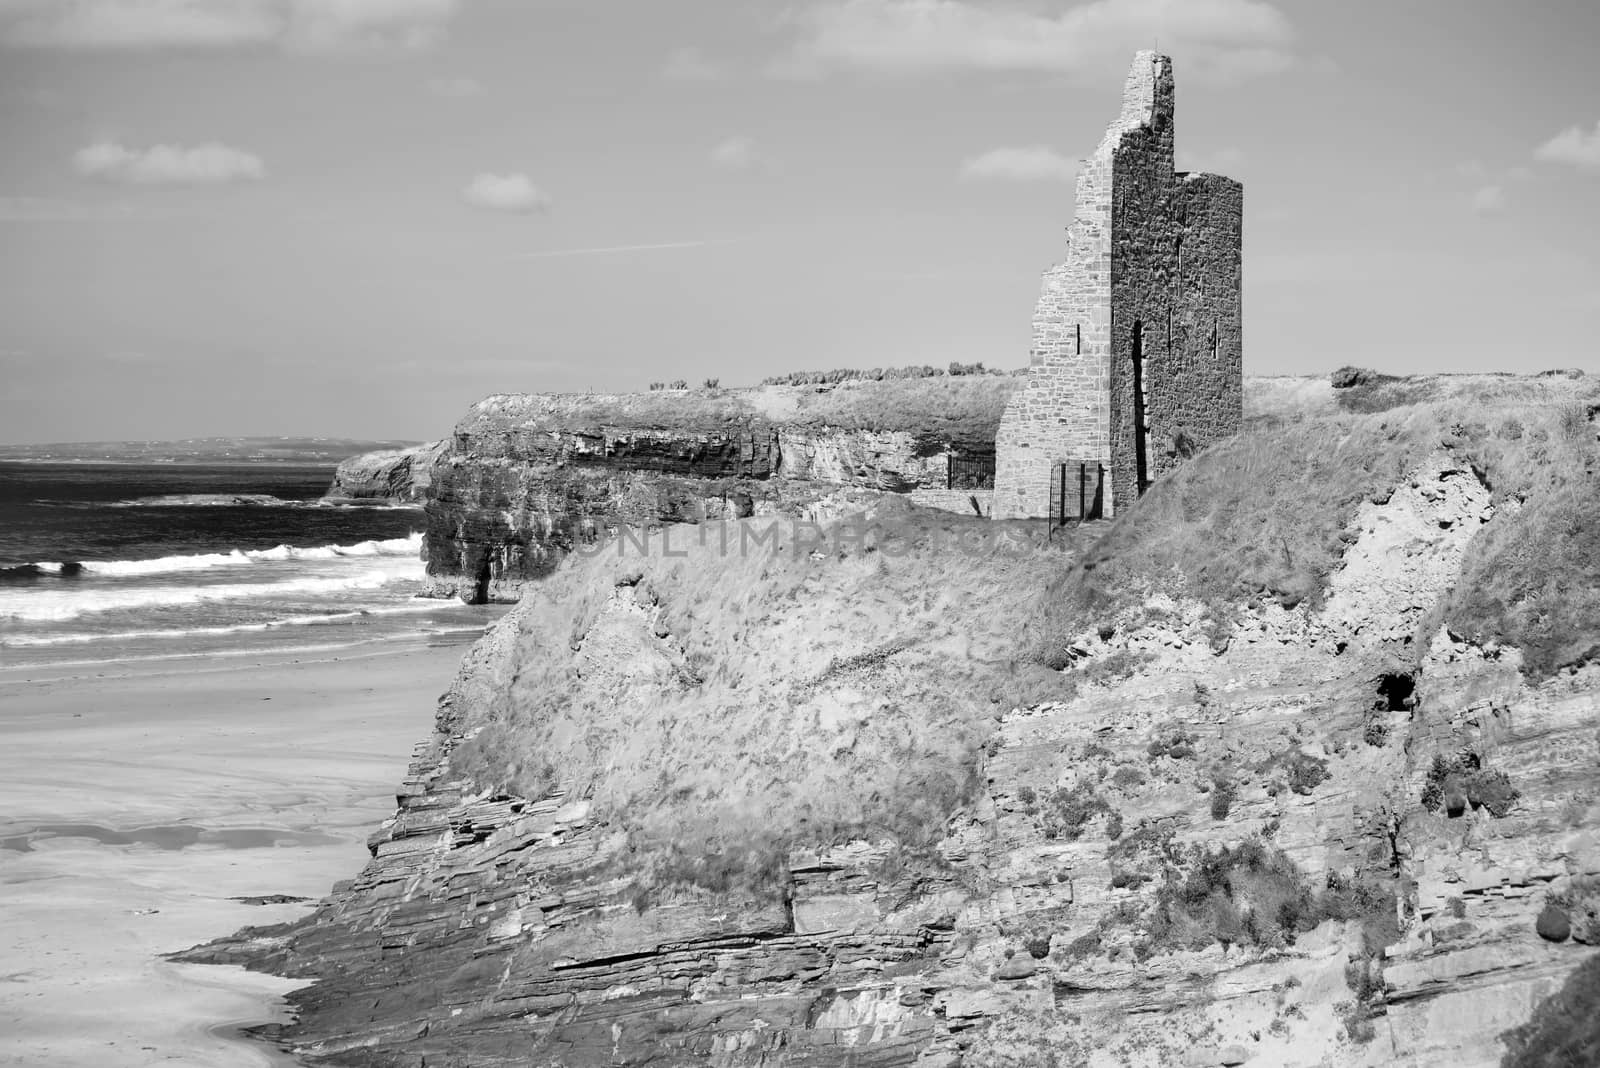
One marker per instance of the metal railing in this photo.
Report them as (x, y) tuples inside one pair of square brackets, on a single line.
[(970, 472), (1077, 492)]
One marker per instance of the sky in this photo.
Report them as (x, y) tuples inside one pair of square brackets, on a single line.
[(357, 217)]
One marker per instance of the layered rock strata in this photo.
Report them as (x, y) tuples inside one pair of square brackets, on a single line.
[(397, 475), (525, 478), (493, 929)]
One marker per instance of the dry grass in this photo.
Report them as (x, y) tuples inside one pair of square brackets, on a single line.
[(1259, 516), (876, 374), (963, 410), (1274, 400), (725, 705), (1532, 576), (504, 415), (1375, 392), (1267, 515)]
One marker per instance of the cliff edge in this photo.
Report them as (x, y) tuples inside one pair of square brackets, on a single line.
[(525, 478), (401, 476), (1294, 763)]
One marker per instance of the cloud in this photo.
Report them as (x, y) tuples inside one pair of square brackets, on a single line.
[(310, 26), (1035, 163), (1573, 147), (1488, 189), (1217, 39), (513, 193), (456, 88), (134, 24), (1489, 199), (333, 26), (735, 154), (688, 65), (208, 164)]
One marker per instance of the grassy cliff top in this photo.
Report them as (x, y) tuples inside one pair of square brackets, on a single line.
[(962, 410), (1273, 400), (1266, 515)]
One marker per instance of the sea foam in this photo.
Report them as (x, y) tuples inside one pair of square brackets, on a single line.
[(59, 603), (311, 620), (408, 546)]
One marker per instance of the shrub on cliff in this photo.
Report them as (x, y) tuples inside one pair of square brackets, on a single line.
[(1347, 376), (1552, 924), (1068, 809), (1174, 741), (1453, 783), (1254, 894), (1302, 772), (1223, 791)]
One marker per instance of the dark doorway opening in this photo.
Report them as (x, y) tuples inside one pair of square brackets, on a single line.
[(1396, 692), (1141, 429)]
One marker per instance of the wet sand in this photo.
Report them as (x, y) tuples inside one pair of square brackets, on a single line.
[(137, 800)]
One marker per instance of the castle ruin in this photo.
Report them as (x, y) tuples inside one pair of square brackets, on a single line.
[(1136, 358)]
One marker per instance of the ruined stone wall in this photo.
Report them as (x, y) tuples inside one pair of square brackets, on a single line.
[(1150, 253), (1175, 294), (959, 501), (1062, 413)]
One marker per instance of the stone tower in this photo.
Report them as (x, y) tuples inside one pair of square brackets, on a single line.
[(1136, 357)]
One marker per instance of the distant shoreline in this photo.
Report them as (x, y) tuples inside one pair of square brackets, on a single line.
[(246, 450), (227, 461)]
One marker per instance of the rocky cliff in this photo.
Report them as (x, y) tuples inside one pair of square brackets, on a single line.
[(398, 475), (932, 793), (525, 478)]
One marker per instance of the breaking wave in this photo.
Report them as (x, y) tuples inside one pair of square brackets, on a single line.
[(408, 546), (62, 604), (208, 500), (311, 620)]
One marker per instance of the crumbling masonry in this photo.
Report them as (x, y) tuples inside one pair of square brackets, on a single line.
[(1136, 340)]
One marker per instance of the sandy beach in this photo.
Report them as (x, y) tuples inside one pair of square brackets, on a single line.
[(138, 800)]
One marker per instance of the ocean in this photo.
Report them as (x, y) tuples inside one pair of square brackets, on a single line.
[(105, 562)]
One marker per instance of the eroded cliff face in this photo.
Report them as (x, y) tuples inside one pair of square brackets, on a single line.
[(1310, 842), (526, 478), (398, 475)]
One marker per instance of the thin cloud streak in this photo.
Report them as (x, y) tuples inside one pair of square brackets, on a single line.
[(604, 250), (1219, 40), (316, 27)]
